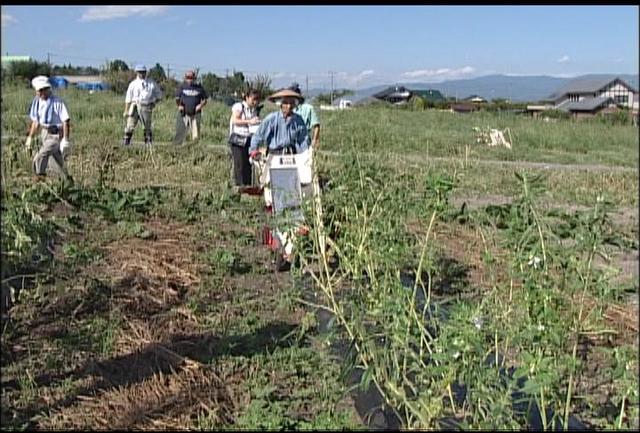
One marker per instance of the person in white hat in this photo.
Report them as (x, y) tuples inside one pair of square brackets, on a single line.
[(49, 114), (141, 98)]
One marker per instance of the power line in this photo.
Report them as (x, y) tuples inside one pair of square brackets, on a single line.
[(178, 68)]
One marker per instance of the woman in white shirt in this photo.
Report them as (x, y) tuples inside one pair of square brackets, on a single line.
[(242, 125)]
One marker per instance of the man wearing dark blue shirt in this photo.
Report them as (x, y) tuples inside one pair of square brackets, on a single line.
[(190, 99)]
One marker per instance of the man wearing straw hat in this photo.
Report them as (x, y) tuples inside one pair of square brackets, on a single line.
[(283, 131), (49, 113), (190, 98), (141, 98)]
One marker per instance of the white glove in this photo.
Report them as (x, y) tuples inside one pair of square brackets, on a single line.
[(27, 144), (65, 148)]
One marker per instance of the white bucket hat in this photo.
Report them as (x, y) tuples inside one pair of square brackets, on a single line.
[(40, 82)]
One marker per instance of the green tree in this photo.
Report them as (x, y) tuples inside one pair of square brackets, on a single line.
[(235, 84), (118, 65), (27, 69), (119, 80), (157, 73), (261, 83), (211, 83), (169, 86), (418, 103)]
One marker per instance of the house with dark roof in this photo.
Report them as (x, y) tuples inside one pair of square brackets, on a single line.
[(400, 95), (475, 99), (429, 95), (395, 94), (589, 96)]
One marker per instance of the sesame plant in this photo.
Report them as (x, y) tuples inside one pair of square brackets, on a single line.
[(508, 357)]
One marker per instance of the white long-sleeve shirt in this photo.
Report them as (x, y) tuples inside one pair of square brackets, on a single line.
[(143, 92)]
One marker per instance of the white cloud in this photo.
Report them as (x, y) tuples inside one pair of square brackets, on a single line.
[(189, 23), (354, 81), (547, 74), (101, 13), (8, 19), (563, 59), (283, 75), (570, 75), (341, 79), (438, 74)]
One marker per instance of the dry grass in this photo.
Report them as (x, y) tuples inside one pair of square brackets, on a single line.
[(162, 402)]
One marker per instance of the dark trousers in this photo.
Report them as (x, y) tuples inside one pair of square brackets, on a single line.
[(241, 165)]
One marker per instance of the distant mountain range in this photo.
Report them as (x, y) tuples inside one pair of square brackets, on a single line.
[(515, 88)]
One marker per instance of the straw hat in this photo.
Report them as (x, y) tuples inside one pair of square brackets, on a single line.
[(286, 93), (140, 68)]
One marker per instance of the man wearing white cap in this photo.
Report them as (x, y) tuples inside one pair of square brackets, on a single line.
[(141, 98), (49, 114)]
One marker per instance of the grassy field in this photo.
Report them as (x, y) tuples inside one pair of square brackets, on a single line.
[(461, 283)]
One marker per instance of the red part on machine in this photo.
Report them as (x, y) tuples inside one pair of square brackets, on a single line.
[(267, 238), (252, 190)]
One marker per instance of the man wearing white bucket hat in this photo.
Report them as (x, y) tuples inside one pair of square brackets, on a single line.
[(49, 114), (141, 98)]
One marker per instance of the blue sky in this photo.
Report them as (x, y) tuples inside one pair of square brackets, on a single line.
[(361, 45)]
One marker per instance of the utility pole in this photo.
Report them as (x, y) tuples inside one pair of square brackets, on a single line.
[(49, 60), (331, 73), (307, 90), (168, 70)]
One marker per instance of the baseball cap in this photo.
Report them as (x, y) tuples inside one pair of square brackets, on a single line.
[(40, 82)]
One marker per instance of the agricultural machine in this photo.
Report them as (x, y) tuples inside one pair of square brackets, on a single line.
[(283, 180)]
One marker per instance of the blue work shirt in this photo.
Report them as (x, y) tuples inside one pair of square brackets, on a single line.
[(279, 133)]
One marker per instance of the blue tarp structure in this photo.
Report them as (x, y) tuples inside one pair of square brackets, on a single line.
[(97, 86), (59, 82)]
